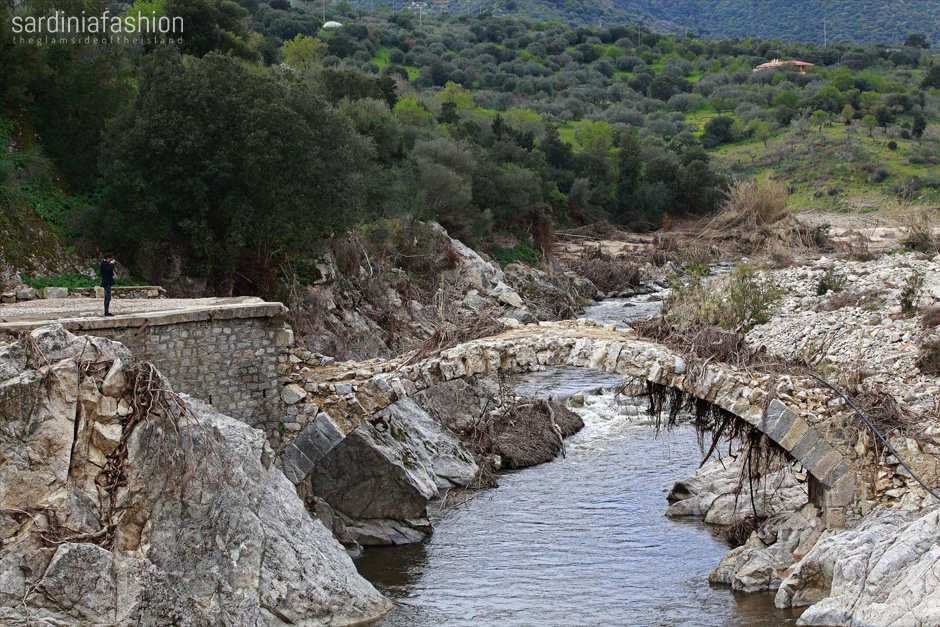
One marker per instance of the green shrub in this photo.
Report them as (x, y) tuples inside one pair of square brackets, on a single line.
[(910, 293), (831, 281), (738, 302), (751, 299), (523, 251)]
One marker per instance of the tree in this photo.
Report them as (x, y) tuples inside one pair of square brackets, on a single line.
[(348, 82), (216, 158), (461, 98), (788, 98), (720, 104), (412, 113), (661, 88), (932, 79), (759, 129), (718, 131), (918, 125), (848, 114), (211, 25), (629, 168), (303, 51), (870, 123), (882, 115), (596, 137), (916, 40), (819, 118)]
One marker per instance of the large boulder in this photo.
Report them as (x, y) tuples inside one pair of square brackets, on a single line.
[(114, 514), (383, 474), (715, 493), (885, 572)]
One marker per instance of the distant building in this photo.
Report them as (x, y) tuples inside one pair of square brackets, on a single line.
[(777, 63), (333, 25)]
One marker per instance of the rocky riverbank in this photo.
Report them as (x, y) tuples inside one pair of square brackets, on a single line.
[(122, 503), (867, 326)]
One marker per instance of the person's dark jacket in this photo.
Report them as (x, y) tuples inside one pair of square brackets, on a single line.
[(107, 273)]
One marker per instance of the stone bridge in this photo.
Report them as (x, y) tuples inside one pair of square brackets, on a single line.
[(327, 402)]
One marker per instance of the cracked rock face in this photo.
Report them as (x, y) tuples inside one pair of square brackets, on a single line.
[(885, 572), (383, 474), (195, 526)]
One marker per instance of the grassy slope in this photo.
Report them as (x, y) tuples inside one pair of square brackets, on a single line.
[(832, 169)]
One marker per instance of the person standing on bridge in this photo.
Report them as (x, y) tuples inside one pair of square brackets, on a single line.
[(107, 280)]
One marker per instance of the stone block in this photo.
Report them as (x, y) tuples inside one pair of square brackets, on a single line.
[(296, 465), (782, 426), (284, 338), (318, 438), (812, 458), (826, 465), (774, 410), (293, 393), (114, 381), (835, 474), (805, 444), (55, 292), (106, 438), (793, 436), (842, 491)]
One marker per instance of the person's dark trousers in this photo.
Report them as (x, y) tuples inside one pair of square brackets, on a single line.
[(107, 298)]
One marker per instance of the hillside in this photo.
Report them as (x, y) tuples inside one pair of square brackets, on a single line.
[(231, 157), (794, 20), (786, 20)]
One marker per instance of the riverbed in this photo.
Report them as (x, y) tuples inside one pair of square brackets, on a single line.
[(582, 540)]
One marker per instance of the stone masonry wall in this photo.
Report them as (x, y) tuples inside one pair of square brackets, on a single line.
[(229, 363)]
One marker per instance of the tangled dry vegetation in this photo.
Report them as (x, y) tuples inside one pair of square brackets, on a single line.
[(484, 324), (710, 344), (754, 220), (609, 273), (510, 434), (763, 457)]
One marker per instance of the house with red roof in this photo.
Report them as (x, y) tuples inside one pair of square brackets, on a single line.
[(778, 64)]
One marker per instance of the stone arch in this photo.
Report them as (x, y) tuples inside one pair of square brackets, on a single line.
[(372, 386)]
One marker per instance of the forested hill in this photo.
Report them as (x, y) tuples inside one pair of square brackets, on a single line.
[(795, 20), (881, 21)]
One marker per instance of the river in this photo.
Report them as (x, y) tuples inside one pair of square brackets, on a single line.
[(579, 541)]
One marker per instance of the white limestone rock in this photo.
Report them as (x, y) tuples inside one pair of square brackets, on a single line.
[(390, 468), (885, 572), (207, 531)]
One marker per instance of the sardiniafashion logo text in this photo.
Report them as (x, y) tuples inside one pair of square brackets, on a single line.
[(59, 28)]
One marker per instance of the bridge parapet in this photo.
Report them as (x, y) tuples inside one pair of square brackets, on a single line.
[(339, 397), (224, 351)]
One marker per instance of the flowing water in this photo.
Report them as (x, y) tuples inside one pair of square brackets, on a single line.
[(580, 541)]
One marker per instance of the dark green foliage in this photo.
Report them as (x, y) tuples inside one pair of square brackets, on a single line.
[(345, 82), (523, 251), (216, 157), (211, 25), (918, 125), (235, 165), (932, 79), (718, 131), (831, 281)]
